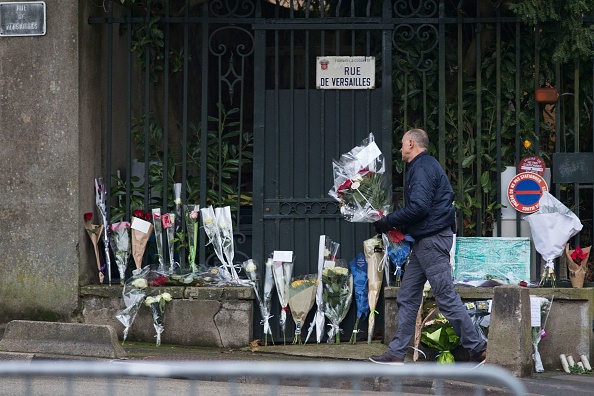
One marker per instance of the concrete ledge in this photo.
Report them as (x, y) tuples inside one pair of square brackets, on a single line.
[(74, 339), (197, 316)]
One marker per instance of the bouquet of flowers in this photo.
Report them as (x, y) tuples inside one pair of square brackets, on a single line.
[(302, 295), (359, 270), (225, 227), (552, 225), (374, 255), (359, 184), (168, 220), (141, 232), (397, 250), (327, 252), (251, 270), (157, 306), (575, 259), (439, 334), (158, 227), (192, 230), (94, 232), (538, 323), (100, 203), (338, 293), (282, 270), (120, 244), (133, 295)]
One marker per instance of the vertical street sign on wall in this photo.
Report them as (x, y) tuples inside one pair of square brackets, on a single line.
[(25, 18)]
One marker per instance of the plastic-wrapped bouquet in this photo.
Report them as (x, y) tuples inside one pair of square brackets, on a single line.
[(359, 184), (251, 270), (302, 295), (552, 225), (192, 220), (282, 270), (538, 323), (327, 253), (120, 244), (337, 295), (359, 270), (439, 334), (133, 295), (157, 306)]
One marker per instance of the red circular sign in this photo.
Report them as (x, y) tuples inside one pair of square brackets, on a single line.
[(524, 191), (532, 163)]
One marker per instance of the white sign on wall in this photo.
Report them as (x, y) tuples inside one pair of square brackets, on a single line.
[(345, 72)]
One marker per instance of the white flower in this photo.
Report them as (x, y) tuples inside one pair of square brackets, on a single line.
[(355, 185), (151, 300), (178, 201), (166, 296), (251, 267), (357, 178), (140, 283), (207, 221), (269, 262)]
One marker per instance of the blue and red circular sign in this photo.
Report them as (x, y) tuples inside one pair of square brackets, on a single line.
[(524, 191)]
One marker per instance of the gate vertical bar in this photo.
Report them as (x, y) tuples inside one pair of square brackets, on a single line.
[(259, 121), (442, 90), (479, 130), (498, 115), (460, 142)]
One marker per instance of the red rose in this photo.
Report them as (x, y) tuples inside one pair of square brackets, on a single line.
[(578, 255), (159, 280), (139, 213), (148, 216), (88, 216), (345, 186)]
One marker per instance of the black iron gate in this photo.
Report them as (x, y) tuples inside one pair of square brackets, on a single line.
[(220, 96)]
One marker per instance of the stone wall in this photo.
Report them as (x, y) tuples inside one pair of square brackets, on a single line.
[(50, 148), (197, 316)]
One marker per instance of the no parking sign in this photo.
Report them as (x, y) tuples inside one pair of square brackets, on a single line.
[(524, 191)]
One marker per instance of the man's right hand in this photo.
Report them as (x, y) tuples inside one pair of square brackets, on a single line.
[(381, 226)]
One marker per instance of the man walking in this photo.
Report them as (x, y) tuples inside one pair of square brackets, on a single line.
[(429, 217)]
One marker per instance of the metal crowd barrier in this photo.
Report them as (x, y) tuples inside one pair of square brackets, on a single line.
[(97, 378)]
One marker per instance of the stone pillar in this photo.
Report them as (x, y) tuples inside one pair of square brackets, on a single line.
[(510, 340), (50, 148)]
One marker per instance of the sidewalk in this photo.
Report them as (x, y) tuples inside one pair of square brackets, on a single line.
[(552, 383)]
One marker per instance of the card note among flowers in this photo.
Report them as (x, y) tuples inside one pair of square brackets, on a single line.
[(141, 232)]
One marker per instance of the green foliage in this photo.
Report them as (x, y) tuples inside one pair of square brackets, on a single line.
[(576, 40), (228, 152)]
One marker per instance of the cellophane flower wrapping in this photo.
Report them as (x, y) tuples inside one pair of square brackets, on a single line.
[(157, 306), (479, 312), (359, 183), (211, 229), (192, 220), (302, 295), (551, 226), (337, 284), (396, 252), (327, 254), (283, 272), (374, 255), (133, 294), (94, 231), (120, 244), (358, 267), (267, 299), (251, 270), (168, 220), (538, 323), (158, 227), (439, 334), (100, 196), (225, 229)]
